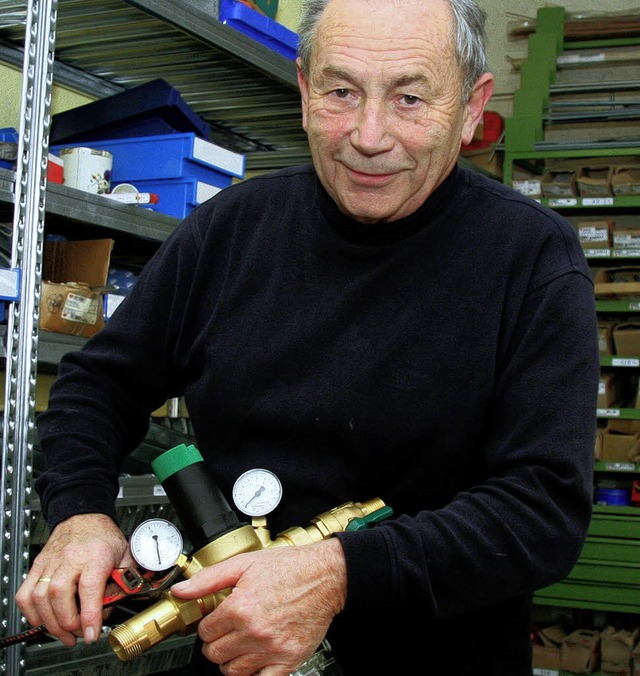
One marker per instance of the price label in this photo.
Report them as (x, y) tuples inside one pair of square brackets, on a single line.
[(597, 201), (597, 253), (608, 412), (545, 672), (625, 361), (564, 202), (620, 467)]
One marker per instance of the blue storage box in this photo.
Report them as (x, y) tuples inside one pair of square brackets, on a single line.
[(151, 108), (178, 197), (169, 156), (259, 27), (8, 147)]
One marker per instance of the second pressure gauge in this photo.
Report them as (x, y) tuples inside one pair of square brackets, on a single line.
[(257, 492), (156, 544)]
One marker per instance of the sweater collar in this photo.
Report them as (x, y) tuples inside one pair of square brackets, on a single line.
[(395, 231)]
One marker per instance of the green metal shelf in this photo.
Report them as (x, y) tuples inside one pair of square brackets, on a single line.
[(621, 413), (630, 305), (619, 360)]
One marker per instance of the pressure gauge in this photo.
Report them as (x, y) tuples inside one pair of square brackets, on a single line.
[(156, 544), (257, 492)]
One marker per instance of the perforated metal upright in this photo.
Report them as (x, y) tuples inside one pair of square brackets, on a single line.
[(23, 315)]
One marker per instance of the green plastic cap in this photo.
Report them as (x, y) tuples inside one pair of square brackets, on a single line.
[(174, 460)]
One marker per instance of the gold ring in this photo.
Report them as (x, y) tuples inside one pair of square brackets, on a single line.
[(44, 579)]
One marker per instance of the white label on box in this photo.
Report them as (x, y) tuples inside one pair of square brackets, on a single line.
[(216, 156), (545, 672), (634, 305), (10, 283), (602, 387), (597, 253), (120, 492), (204, 191), (623, 240), (627, 253), (158, 491), (627, 361), (567, 202), (597, 201), (529, 188), (80, 309), (593, 234)]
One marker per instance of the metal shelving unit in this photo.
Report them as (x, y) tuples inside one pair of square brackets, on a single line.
[(246, 92), (607, 574)]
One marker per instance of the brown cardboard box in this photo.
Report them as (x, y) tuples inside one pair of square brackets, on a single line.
[(605, 336), (623, 426), (595, 234), (626, 339), (626, 238), (635, 660), (619, 447), (74, 276), (616, 648), (580, 651), (607, 390), (594, 181), (625, 179), (619, 282), (546, 650), (561, 183)]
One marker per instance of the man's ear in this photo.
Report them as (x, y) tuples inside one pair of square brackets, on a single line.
[(303, 84), (474, 107)]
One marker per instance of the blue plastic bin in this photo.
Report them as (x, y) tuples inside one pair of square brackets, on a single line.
[(154, 107), (259, 27), (178, 197), (169, 156)]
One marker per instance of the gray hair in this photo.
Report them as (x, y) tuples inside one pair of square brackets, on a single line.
[(468, 32)]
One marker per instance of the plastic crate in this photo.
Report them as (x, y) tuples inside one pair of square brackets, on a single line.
[(178, 197), (168, 157), (259, 27), (151, 108)]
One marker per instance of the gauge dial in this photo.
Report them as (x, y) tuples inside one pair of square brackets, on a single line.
[(257, 492), (156, 544)]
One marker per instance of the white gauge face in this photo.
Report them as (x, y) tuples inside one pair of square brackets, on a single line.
[(156, 544), (257, 492)]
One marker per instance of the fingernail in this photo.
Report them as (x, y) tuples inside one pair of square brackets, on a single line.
[(181, 585), (89, 635)]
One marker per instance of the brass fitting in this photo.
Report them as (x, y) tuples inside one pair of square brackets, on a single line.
[(171, 615)]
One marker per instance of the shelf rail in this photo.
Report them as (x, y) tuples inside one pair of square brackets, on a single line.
[(22, 321)]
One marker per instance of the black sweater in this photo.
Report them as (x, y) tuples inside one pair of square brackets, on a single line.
[(446, 363)]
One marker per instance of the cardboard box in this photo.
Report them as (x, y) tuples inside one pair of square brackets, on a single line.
[(546, 649), (607, 390), (561, 183), (595, 234), (616, 649), (594, 181), (580, 651), (635, 658), (626, 338), (622, 282), (619, 447), (623, 426), (625, 180), (74, 277), (626, 238), (605, 336)]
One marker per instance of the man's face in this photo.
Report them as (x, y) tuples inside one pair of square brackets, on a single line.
[(382, 105)]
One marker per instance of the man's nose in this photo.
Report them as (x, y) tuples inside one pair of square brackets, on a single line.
[(371, 131)]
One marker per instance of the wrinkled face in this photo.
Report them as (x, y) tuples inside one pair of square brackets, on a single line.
[(382, 105)]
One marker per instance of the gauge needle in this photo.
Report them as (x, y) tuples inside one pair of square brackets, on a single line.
[(259, 492), (155, 537)]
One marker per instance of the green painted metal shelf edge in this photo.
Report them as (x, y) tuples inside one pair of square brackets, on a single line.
[(623, 361), (596, 596), (632, 305), (608, 510), (630, 467), (604, 42), (622, 413)]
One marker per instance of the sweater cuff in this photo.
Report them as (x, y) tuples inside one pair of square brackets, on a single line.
[(369, 573), (79, 499)]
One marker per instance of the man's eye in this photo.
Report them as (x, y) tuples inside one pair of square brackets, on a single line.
[(410, 100), (341, 93)]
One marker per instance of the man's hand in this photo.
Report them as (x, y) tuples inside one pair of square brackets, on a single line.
[(278, 613), (75, 563)]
